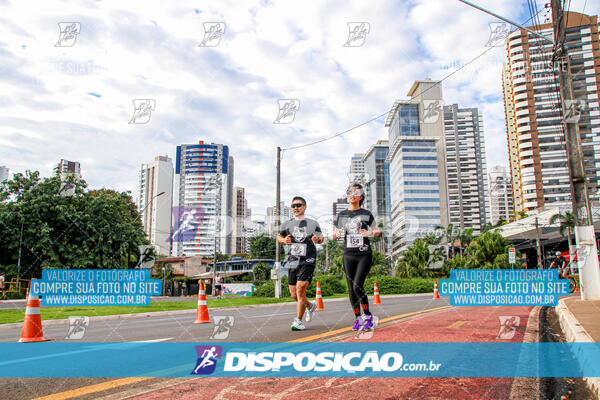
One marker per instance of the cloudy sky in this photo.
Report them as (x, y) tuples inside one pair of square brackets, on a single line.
[(74, 101)]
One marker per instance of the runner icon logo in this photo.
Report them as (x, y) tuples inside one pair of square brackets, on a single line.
[(207, 359), (508, 327), (77, 327), (223, 325)]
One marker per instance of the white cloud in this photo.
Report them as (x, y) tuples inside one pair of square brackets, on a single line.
[(228, 94)]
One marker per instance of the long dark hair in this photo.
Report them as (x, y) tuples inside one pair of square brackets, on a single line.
[(362, 193)]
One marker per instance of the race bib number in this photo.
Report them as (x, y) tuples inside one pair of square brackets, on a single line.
[(354, 241), (298, 249)]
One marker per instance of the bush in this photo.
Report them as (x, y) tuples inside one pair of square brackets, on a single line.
[(330, 285), (261, 272), (395, 285), (268, 290)]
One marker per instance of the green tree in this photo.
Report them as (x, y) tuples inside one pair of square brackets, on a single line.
[(521, 214), (466, 237), (450, 235), (66, 227), (567, 222), (262, 272), (414, 260), (334, 249), (488, 250), (263, 246)]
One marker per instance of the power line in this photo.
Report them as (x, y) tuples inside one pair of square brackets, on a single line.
[(387, 112)]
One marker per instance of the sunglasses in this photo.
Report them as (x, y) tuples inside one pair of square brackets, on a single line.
[(354, 193), (297, 205)]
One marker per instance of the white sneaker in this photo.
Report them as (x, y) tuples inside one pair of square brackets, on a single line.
[(298, 325), (308, 314)]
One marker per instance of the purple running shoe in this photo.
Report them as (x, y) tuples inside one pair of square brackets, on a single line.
[(357, 324)]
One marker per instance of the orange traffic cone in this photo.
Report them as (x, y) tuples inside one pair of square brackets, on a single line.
[(319, 298), (32, 324), (376, 298), (202, 310), (436, 295)]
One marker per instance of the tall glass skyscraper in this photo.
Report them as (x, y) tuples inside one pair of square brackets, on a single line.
[(415, 191), (418, 195)]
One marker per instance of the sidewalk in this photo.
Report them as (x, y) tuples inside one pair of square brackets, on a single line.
[(580, 322)]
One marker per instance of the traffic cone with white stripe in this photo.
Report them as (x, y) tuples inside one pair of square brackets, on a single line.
[(376, 298), (32, 324), (202, 310), (436, 295), (319, 298)]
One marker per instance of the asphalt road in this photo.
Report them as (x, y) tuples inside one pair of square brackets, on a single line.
[(269, 323), (250, 324)]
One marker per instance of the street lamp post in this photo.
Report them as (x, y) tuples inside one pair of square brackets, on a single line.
[(163, 285)]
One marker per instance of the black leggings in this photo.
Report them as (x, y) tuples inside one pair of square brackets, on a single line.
[(357, 268)]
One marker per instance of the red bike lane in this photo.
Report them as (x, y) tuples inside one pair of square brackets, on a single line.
[(457, 324)]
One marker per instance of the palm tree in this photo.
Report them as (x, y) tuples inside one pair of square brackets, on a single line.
[(414, 260), (567, 221), (450, 234), (521, 214), (466, 237), (488, 251)]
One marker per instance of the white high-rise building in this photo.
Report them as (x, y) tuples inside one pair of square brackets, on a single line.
[(286, 214), (65, 166), (155, 202), (203, 199), (501, 201), (534, 120), (466, 168), (3, 173), (357, 168)]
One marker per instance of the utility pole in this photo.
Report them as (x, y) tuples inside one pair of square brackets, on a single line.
[(539, 244), (326, 255), (585, 236), (19, 260), (584, 228), (277, 222)]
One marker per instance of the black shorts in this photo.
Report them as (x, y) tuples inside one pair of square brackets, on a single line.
[(304, 272), (218, 287)]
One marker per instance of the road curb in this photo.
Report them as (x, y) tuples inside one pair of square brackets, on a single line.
[(52, 322), (528, 388), (574, 332)]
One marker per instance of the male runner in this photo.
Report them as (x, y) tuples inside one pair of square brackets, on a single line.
[(301, 234)]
